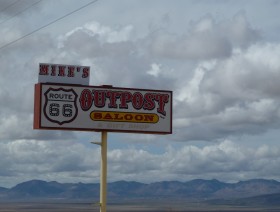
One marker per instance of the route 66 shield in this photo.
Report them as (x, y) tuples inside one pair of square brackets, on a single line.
[(60, 105)]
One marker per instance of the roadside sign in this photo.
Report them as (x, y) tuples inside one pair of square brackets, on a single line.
[(65, 101), (99, 108)]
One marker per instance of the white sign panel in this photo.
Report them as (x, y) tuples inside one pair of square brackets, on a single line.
[(66, 74), (99, 108)]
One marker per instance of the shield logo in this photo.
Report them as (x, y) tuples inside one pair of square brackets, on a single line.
[(60, 105)]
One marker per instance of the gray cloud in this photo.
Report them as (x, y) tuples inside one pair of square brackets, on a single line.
[(224, 79), (48, 160), (206, 39), (231, 96), (210, 90), (11, 8), (72, 161)]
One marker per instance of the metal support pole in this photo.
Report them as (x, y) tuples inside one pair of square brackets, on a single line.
[(103, 173)]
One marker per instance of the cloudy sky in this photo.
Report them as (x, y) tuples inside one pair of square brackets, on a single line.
[(220, 59)]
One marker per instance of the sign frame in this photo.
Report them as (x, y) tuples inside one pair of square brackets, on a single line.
[(37, 123)]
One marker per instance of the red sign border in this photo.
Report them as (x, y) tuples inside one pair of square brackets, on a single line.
[(38, 105)]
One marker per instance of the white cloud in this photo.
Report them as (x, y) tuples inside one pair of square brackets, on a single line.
[(72, 162), (155, 70), (48, 160), (233, 96)]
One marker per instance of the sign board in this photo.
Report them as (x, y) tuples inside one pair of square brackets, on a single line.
[(98, 108), (67, 74)]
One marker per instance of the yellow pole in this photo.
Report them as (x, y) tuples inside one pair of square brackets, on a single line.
[(103, 173)]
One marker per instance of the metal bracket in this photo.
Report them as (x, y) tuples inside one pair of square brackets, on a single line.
[(97, 143)]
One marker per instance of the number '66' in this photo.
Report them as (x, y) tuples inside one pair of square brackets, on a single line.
[(66, 110)]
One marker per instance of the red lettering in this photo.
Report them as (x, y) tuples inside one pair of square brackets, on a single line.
[(108, 116), (125, 97), (53, 71), (71, 71), (117, 117), (85, 73), (61, 71), (99, 98), (97, 115), (149, 103), (86, 99), (128, 117), (44, 69), (161, 99), (138, 117), (113, 98), (149, 118), (137, 100), (121, 99)]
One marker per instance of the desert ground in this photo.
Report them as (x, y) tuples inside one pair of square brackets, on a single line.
[(124, 207)]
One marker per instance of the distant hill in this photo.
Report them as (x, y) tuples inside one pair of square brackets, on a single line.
[(262, 200), (202, 190), (268, 199), (3, 189), (249, 188), (42, 189)]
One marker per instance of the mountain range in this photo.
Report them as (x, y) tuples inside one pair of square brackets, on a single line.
[(206, 190)]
